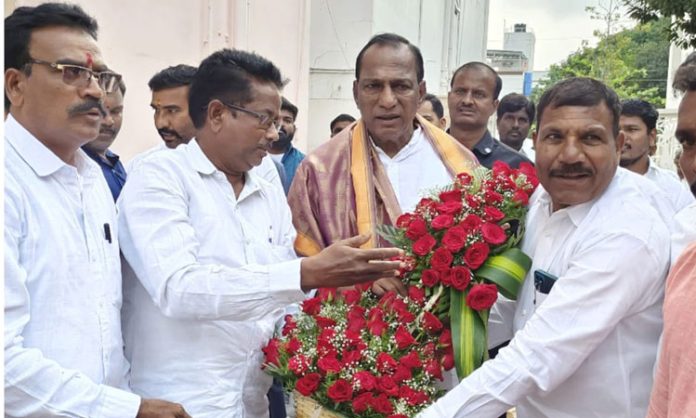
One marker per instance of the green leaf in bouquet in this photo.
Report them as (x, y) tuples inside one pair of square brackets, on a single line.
[(469, 339), (390, 233), (507, 271)]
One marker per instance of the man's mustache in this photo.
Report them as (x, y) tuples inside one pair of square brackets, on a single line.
[(570, 169), (165, 131), (107, 131), (86, 107)]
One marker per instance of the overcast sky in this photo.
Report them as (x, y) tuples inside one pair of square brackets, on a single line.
[(559, 26)]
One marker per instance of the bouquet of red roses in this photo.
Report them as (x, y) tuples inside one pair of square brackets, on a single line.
[(460, 248), (363, 356)]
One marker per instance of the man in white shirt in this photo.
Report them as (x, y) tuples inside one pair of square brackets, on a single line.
[(637, 122), (63, 345), (586, 336), (170, 90), (211, 245), (685, 221)]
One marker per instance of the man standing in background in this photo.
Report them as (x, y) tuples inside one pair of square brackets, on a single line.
[(282, 151)]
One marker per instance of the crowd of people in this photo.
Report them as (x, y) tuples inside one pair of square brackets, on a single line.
[(148, 289)]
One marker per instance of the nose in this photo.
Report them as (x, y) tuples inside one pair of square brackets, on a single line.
[(466, 98), (516, 123), (93, 89), (571, 151), (108, 119), (272, 134), (387, 98), (161, 121)]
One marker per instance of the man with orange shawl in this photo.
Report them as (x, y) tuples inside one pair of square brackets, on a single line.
[(368, 174)]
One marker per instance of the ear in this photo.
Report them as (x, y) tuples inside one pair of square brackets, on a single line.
[(496, 102), (620, 139), (652, 137), (421, 90), (355, 92), (215, 115), (534, 138), (15, 84), (443, 122)]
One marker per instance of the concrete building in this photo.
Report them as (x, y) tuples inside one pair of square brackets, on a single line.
[(521, 40)]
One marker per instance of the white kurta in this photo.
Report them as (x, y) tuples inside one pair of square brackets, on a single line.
[(675, 190), (586, 349), (214, 273), (63, 345)]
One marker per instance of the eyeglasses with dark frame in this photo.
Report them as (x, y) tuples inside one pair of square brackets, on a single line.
[(265, 120), (79, 76)]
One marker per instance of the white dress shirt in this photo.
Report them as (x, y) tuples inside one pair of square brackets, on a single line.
[(214, 273), (586, 349), (266, 170), (63, 345), (675, 190), (414, 171), (684, 232)]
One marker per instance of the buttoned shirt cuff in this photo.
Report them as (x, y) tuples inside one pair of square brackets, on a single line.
[(285, 283), (117, 403)]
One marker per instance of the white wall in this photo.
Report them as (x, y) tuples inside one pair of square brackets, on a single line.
[(139, 38)]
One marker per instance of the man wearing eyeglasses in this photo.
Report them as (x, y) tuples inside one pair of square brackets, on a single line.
[(211, 246), (98, 149), (63, 345)]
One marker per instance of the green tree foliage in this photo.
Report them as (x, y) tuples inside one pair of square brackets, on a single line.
[(682, 30), (632, 61)]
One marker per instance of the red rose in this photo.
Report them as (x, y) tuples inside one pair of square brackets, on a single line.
[(530, 172), (402, 373), (385, 362), (431, 323), (476, 255), (520, 197), (382, 405), (340, 391), (442, 221), (471, 223), (351, 296), (324, 322), (298, 364), (362, 402), (493, 234), (377, 327), (448, 361), (289, 326), (434, 368), (446, 277), (326, 293), (451, 208), (492, 196), (416, 229), (386, 384), (329, 365), (424, 204), (271, 351), (351, 356), (454, 239), (417, 397), (441, 259), (454, 195), (430, 277), (482, 296), (366, 380), (493, 214), (311, 306), (403, 338), (397, 416), (460, 277), (403, 220), (501, 168), (464, 178), (429, 349), (445, 339), (473, 201), (308, 384), (411, 360), (416, 294), (424, 244), (293, 346)]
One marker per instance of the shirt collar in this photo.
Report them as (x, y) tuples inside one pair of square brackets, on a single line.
[(575, 213), (197, 158), (41, 159), (201, 163), (406, 151)]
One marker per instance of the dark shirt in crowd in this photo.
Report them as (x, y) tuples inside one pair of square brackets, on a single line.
[(114, 172), (489, 150)]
